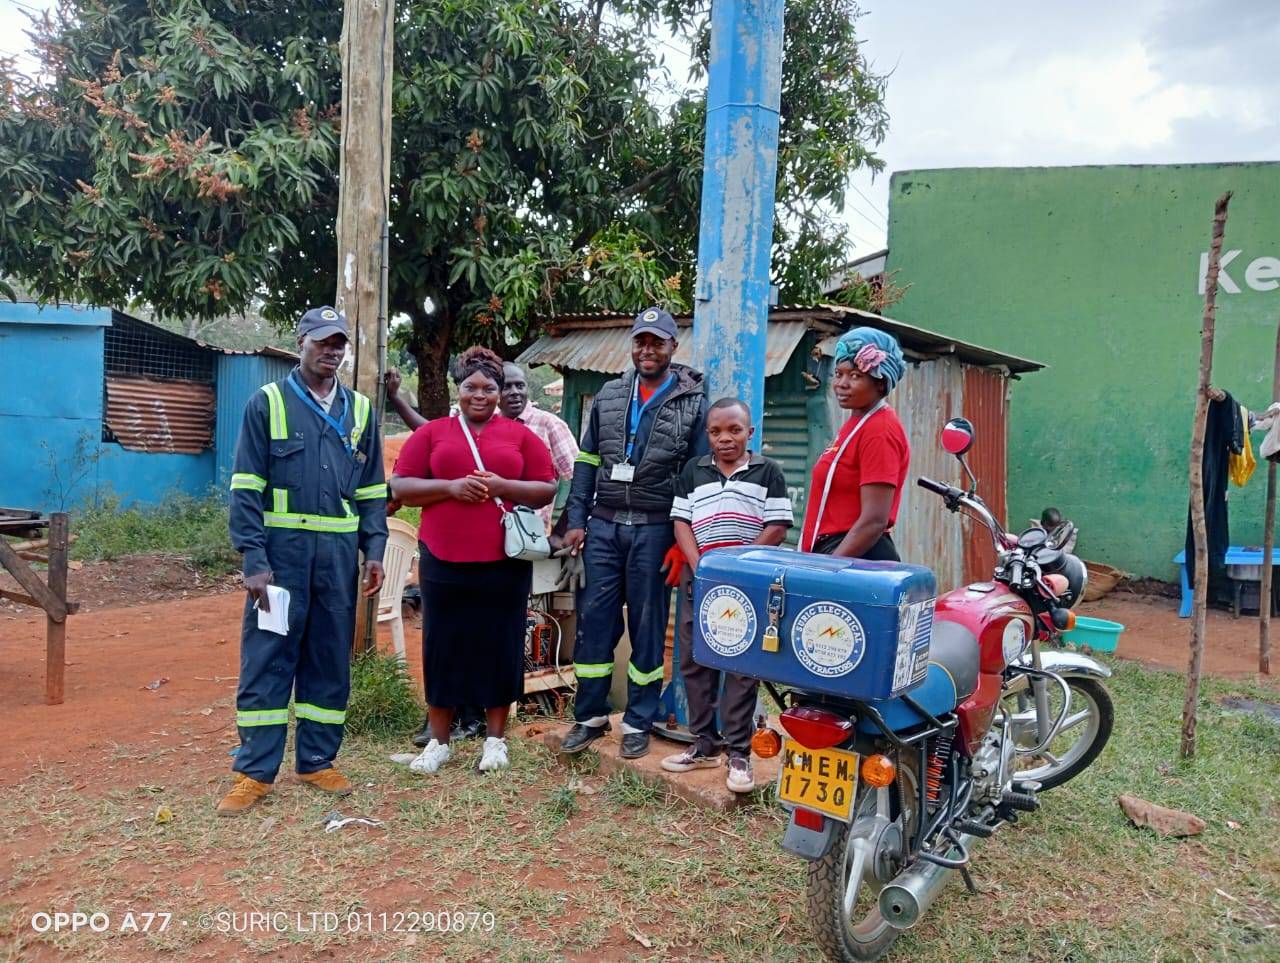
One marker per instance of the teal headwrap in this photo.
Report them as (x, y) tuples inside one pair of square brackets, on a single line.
[(873, 352)]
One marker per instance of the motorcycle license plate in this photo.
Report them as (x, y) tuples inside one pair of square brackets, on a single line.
[(821, 779)]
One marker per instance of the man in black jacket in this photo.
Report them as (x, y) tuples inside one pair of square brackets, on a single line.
[(642, 430)]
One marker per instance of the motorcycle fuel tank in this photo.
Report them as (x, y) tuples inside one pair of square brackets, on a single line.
[(840, 626)]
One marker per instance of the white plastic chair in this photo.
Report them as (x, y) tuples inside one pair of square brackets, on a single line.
[(402, 549)]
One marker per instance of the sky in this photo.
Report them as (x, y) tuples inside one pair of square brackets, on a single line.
[(1000, 83)]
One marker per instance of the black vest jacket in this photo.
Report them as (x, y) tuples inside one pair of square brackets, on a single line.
[(664, 453)]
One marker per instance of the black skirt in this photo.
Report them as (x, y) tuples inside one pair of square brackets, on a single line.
[(473, 630)]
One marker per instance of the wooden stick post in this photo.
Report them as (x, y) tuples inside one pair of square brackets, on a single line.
[(1198, 527), (1268, 543), (364, 191), (56, 629)]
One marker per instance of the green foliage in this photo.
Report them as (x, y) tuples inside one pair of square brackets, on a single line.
[(192, 528), (866, 295), (561, 804), (184, 152), (384, 701)]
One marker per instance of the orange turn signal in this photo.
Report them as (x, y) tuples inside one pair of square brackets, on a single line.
[(766, 743), (1071, 621), (878, 771)]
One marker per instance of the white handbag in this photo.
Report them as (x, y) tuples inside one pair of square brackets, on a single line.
[(524, 537)]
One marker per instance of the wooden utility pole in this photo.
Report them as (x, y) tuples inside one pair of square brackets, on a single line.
[(1198, 527), (364, 195), (1268, 543)]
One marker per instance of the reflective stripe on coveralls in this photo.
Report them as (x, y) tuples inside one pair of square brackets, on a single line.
[(643, 678), (333, 717), (280, 516), (593, 670), (248, 482), (262, 717)]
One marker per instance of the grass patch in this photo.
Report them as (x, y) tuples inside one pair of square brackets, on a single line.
[(384, 700), (192, 528)]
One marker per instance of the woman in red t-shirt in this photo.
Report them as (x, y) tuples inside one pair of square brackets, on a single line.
[(474, 598), (857, 482)]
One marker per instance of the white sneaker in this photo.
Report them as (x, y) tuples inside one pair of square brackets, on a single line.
[(740, 778), (431, 758), (494, 755)]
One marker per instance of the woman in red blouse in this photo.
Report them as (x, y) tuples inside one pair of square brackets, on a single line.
[(474, 598), (857, 482)]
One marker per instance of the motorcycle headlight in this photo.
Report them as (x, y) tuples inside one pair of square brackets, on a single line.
[(1014, 641)]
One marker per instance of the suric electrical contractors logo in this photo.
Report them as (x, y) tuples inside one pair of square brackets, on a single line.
[(727, 620), (828, 639)]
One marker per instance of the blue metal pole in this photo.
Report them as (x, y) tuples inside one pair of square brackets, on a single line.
[(740, 162), (739, 174)]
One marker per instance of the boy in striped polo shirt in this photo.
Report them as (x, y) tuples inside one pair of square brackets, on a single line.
[(730, 497)]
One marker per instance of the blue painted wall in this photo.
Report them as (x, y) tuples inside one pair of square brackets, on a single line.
[(52, 455), (51, 405), (239, 376), (149, 478)]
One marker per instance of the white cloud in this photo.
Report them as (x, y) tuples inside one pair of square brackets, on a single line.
[(1011, 84)]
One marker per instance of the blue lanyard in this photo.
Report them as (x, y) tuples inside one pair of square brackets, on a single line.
[(638, 410), (334, 423)]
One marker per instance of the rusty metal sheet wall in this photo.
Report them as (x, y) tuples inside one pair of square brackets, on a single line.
[(608, 349), (926, 533), (160, 416), (986, 404)]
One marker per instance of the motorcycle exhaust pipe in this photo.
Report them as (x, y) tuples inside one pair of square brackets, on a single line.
[(908, 897)]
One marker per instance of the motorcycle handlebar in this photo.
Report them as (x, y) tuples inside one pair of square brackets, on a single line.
[(936, 487), (956, 498)]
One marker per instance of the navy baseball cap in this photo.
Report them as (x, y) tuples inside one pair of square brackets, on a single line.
[(323, 322), (654, 321)]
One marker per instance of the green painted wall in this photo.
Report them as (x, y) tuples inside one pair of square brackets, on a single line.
[(1095, 271)]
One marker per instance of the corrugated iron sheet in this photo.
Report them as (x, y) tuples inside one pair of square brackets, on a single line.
[(786, 440), (831, 318), (160, 416), (926, 533), (606, 348), (239, 376), (986, 405)]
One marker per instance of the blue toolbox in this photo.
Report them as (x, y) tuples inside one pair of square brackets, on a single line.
[(840, 626)]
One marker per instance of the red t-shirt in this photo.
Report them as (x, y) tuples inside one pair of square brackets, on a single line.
[(645, 392), (878, 454), (461, 531)]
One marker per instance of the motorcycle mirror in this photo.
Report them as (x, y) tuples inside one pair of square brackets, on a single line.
[(957, 436)]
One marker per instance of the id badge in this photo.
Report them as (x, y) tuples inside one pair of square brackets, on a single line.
[(623, 473)]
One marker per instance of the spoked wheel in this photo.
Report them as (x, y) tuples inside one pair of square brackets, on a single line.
[(843, 886), (1082, 736)]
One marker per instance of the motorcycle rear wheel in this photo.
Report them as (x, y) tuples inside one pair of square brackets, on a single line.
[(862, 935)]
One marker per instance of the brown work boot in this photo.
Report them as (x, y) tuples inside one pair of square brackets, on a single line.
[(328, 780), (243, 795)]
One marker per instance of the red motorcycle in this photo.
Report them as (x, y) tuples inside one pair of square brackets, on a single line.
[(946, 765)]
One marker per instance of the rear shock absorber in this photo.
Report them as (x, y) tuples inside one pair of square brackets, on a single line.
[(937, 766)]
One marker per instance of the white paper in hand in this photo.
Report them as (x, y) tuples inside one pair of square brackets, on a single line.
[(277, 620)]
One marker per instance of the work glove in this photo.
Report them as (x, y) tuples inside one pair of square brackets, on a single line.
[(673, 564), (573, 571)]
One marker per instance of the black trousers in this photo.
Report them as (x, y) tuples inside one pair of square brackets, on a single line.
[(736, 704), (882, 551)]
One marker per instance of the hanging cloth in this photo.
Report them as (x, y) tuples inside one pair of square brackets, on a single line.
[(1242, 464), (1223, 435)]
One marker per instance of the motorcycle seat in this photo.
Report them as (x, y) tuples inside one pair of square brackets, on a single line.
[(951, 677)]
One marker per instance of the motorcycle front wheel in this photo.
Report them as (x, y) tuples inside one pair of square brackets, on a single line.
[(1083, 734), (842, 888)]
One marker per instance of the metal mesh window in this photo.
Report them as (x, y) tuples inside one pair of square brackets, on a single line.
[(135, 348)]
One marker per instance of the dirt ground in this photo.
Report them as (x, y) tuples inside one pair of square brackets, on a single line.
[(1156, 637), (147, 619)]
